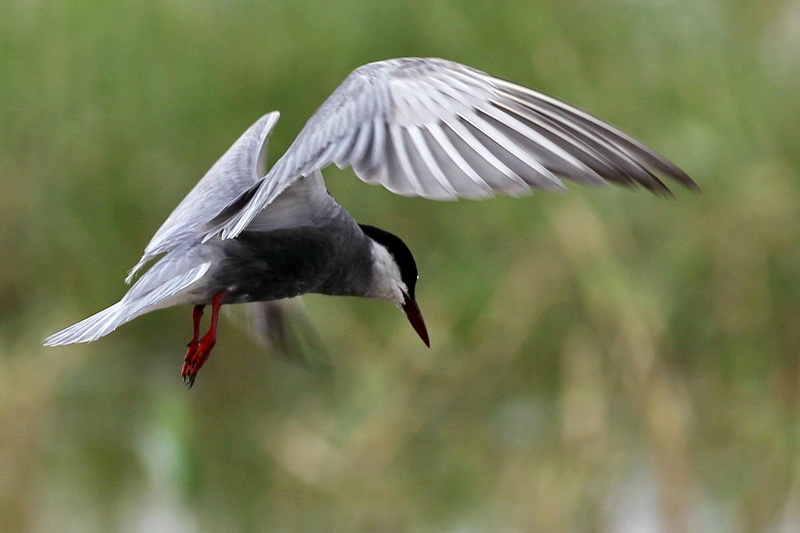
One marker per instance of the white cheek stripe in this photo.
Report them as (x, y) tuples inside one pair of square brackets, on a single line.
[(386, 280)]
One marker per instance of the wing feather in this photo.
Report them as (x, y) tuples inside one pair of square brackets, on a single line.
[(400, 148), (467, 133), (235, 172), (538, 175), (450, 152), (441, 130), (429, 162)]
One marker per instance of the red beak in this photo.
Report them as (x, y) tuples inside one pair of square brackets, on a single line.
[(415, 317)]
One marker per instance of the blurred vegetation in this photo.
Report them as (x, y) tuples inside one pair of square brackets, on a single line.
[(601, 361)]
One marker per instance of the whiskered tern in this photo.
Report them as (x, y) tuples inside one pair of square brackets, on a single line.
[(419, 127)]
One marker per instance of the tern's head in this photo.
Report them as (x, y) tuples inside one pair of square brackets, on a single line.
[(394, 276)]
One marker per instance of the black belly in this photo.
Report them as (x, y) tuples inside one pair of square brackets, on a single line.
[(262, 266)]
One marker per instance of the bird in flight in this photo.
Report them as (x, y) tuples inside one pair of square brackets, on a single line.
[(419, 127)]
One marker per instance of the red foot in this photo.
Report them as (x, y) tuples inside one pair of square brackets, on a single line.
[(199, 350), (197, 314)]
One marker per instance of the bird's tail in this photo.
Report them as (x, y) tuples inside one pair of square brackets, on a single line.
[(283, 328), (94, 327)]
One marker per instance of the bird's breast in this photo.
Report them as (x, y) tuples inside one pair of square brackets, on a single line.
[(261, 266)]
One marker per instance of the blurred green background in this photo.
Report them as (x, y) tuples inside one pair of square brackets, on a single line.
[(602, 361)]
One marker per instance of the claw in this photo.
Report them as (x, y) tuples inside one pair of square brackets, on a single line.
[(199, 350)]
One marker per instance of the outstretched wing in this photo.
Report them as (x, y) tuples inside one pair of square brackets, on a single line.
[(441, 130), (236, 171)]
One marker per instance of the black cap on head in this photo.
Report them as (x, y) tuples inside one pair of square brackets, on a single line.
[(408, 273), (400, 252)]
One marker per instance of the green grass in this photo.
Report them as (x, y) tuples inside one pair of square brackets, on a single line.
[(595, 355)]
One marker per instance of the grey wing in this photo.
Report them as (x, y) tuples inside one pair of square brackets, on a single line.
[(167, 285), (441, 130), (236, 171)]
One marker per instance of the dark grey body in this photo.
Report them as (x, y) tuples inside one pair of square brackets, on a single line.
[(261, 266)]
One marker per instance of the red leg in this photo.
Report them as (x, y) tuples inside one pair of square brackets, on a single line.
[(197, 314), (202, 349)]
